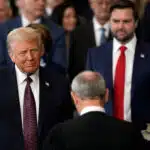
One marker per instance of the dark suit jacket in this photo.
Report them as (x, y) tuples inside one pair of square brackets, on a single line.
[(58, 53), (55, 106), (95, 131), (100, 60), (82, 39)]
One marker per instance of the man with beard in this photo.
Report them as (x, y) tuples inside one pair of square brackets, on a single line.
[(124, 63)]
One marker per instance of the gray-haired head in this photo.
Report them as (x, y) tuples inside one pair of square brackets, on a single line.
[(23, 34), (89, 85)]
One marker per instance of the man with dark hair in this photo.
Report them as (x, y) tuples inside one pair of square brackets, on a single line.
[(124, 63), (93, 129)]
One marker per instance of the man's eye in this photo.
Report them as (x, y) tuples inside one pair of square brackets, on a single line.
[(34, 49), (116, 21), (22, 53)]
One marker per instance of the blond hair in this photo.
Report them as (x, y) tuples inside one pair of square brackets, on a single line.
[(23, 34)]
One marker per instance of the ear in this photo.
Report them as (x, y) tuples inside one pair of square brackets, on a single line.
[(12, 57), (106, 95), (75, 98)]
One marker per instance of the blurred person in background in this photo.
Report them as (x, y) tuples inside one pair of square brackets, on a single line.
[(66, 16), (50, 6), (143, 24), (5, 10)]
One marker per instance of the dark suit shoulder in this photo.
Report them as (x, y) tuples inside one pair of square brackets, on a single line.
[(143, 45), (101, 51), (11, 24), (94, 125), (94, 119), (53, 74)]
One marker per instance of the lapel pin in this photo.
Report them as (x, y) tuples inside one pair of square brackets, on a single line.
[(142, 55), (47, 84)]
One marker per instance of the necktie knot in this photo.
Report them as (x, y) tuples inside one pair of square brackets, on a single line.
[(102, 29), (28, 79), (123, 48)]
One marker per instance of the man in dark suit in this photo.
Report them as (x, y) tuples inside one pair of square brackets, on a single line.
[(31, 11), (89, 35), (132, 57), (44, 102), (93, 129)]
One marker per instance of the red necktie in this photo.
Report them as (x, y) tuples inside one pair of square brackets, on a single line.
[(119, 81), (29, 118)]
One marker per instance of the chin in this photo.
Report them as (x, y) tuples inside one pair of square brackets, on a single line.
[(40, 13), (30, 70)]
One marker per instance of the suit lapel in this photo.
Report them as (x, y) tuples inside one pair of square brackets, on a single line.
[(43, 101), (140, 61)]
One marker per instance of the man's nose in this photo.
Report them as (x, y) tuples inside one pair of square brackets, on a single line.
[(29, 56)]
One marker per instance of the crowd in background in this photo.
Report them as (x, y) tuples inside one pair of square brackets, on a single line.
[(85, 61)]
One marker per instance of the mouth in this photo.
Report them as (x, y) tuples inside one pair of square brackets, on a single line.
[(30, 65), (121, 33)]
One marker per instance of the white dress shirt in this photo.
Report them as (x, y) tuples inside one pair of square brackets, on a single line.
[(21, 89), (91, 109), (129, 53), (97, 30), (26, 22)]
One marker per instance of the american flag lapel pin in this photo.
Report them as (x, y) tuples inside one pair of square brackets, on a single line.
[(47, 83), (142, 56)]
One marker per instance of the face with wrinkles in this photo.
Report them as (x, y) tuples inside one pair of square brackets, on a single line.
[(26, 55)]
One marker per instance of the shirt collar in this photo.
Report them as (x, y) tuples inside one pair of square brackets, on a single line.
[(131, 45), (26, 22), (91, 109), (22, 76), (97, 25), (48, 11)]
